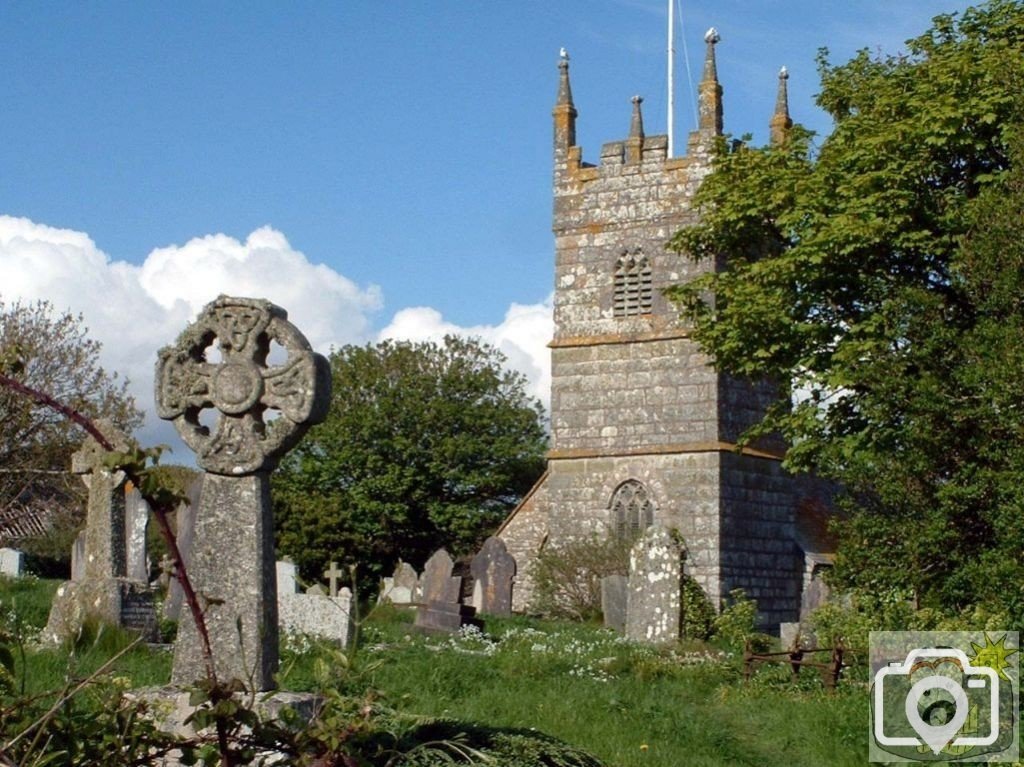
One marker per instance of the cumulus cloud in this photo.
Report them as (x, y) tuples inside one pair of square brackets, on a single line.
[(133, 310), (522, 336)]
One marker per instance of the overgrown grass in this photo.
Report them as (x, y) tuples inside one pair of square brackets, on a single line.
[(24, 608), (629, 705)]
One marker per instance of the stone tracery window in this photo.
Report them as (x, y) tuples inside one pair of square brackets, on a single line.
[(632, 285), (632, 510)]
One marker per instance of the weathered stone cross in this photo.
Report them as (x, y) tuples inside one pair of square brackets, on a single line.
[(232, 561), (333, 575)]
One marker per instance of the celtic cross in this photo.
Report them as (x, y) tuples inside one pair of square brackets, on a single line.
[(238, 443), (242, 387)]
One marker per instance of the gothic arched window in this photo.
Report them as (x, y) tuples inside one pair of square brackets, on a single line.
[(632, 509), (632, 285)]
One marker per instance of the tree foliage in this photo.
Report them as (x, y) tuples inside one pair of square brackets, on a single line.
[(51, 351), (426, 445), (878, 278)]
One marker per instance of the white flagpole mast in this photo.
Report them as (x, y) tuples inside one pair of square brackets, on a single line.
[(671, 76)]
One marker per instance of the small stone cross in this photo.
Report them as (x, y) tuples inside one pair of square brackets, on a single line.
[(333, 574)]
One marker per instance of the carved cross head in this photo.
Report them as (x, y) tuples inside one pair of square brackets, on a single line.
[(257, 410), (88, 459)]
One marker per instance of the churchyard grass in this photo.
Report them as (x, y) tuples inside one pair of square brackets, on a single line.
[(628, 705)]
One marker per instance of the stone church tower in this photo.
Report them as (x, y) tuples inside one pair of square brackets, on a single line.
[(643, 429)]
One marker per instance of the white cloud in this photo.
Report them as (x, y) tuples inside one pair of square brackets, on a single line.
[(522, 337), (135, 310)]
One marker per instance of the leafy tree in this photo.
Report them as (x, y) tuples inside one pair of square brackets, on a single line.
[(878, 279), (53, 353), (426, 445)]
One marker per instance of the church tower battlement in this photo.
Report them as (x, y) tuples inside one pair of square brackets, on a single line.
[(643, 429)]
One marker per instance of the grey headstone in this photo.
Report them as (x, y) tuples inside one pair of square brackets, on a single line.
[(317, 614), (316, 590), (78, 557), (405, 584), (653, 605), (387, 583), (136, 522), (493, 570), (12, 562), (439, 608), (232, 558), (438, 583), (287, 583), (185, 517), (98, 592), (614, 596)]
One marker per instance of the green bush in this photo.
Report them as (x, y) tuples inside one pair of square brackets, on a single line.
[(737, 623), (567, 578), (698, 612)]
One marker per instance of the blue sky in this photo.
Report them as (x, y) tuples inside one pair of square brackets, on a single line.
[(390, 161)]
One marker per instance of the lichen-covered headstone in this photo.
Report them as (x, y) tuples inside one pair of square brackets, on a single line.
[(232, 560), (493, 569), (653, 603), (98, 593), (439, 608)]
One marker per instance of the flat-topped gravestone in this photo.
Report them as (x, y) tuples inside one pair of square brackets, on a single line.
[(655, 587), (12, 562), (136, 522), (232, 558), (287, 579), (614, 596), (439, 608), (493, 569)]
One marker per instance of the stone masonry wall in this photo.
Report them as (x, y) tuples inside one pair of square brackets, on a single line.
[(631, 396), (758, 550)]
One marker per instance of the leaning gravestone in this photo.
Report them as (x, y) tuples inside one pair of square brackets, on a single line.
[(653, 602), (439, 608), (493, 569), (99, 591), (232, 559)]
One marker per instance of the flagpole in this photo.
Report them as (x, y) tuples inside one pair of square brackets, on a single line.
[(671, 76)]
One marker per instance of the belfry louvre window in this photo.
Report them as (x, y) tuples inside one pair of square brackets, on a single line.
[(632, 510), (632, 285)]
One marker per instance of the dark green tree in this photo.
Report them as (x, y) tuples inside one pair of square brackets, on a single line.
[(877, 279), (426, 445), (52, 352)]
